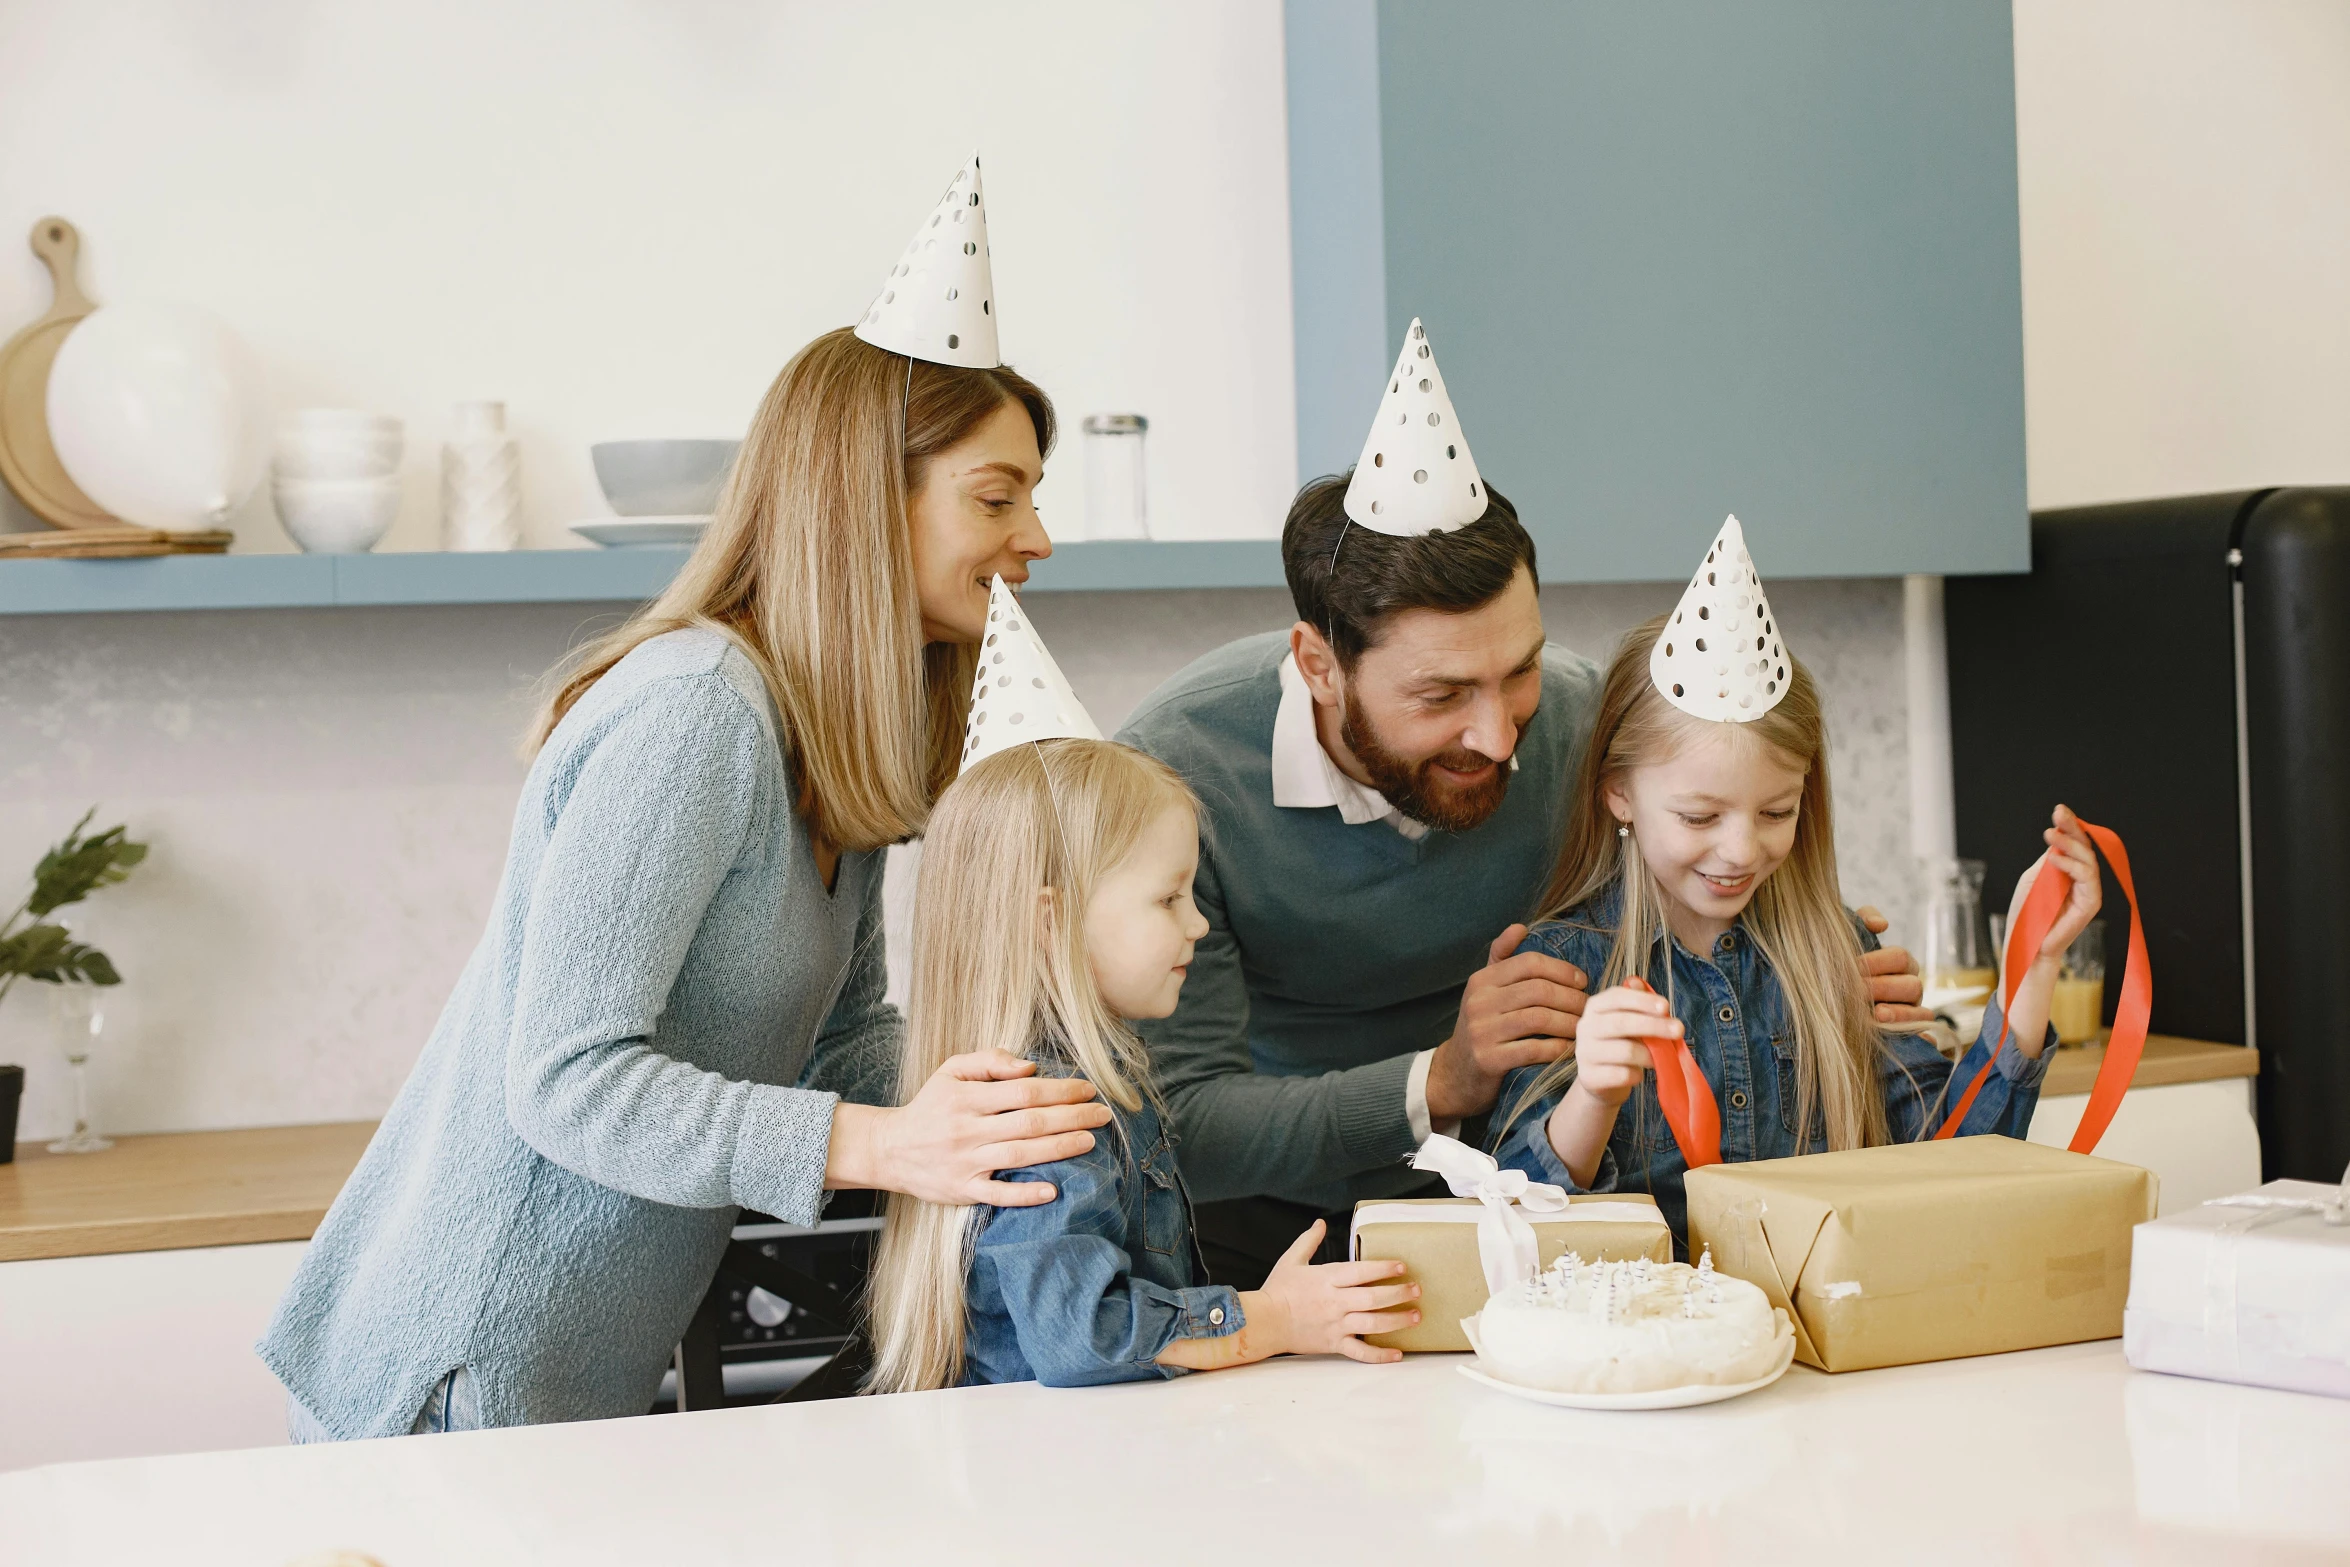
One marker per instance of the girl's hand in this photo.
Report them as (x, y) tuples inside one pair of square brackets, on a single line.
[(1305, 1309), (2070, 851), (2070, 855), (1610, 1059), (978, 1113)]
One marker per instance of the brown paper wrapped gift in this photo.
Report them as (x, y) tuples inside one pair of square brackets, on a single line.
[(1928, 1251), (1437, 1238)]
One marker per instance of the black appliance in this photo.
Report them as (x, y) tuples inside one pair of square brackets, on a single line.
[(782, 1292), (2179, 670)]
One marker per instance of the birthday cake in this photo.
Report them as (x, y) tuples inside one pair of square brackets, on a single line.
[(1629, 1327)]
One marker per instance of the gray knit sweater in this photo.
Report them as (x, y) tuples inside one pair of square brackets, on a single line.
[(546, 1201)]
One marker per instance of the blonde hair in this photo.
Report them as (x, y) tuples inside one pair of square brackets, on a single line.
[(1796, 918), (808, 567), (1053, 817)]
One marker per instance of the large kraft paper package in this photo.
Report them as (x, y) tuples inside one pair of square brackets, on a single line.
[(1436, 1238), (1928, 1251)]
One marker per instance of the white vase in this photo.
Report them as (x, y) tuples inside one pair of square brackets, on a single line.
[(481, 481)]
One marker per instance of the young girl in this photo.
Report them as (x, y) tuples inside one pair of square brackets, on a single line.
[(1055, 904), (1700, 857)]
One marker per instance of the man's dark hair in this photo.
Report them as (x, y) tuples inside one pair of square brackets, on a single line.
[(1377, 575)]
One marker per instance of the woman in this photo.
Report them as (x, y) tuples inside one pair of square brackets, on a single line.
[(690, 920)]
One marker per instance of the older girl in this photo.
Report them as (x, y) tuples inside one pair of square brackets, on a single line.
[(1054, 907), (689, 921), (1698, 881)]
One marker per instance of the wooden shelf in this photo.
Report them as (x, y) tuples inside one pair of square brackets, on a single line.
[(561, 576), (176, 1189), (2167, 1060)]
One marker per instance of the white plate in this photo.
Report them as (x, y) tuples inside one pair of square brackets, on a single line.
[(1659, 1398), (618, 532)]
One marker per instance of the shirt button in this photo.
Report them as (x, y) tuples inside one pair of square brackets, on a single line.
[(1727, 1015), (1738, 1099), (1215, 1316)]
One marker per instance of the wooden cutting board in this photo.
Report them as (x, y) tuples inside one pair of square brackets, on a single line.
[(28, 463), (110, 544)]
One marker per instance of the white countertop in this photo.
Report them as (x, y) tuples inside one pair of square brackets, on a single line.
[(2059, 1456)]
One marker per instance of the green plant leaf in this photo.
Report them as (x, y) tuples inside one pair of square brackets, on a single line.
[(49, 953), (79, 866)]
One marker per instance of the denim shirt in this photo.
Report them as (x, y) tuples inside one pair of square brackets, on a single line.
[(1090, 1287), (1736, 1022)]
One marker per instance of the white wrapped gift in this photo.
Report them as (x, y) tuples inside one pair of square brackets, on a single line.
[(2251, 1288)]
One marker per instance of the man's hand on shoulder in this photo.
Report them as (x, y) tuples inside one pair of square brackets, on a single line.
[(1518, 1010), (1894, 986)]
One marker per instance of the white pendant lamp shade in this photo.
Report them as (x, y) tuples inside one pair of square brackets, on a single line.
[(1020, 694), (1720, 656), (1415, 475), (938, 302)]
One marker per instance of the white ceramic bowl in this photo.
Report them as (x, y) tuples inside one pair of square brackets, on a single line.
[(336, 456), (340, 420), (662, 478), (337, 516)]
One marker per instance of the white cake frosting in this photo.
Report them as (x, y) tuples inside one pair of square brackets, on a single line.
[(1629, 1327)]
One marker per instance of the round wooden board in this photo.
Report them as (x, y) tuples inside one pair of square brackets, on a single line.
[(28, 463)]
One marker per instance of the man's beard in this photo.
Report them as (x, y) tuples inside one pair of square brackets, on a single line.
[(1414, 789)]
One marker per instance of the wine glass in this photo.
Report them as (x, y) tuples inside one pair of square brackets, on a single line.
[(80, 1020)]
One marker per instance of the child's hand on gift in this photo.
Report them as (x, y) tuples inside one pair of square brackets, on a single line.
[(2070, 855), (1325, 1309)]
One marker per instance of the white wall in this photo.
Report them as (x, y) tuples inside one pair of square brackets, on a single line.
[(622, 216), (2185, 188)]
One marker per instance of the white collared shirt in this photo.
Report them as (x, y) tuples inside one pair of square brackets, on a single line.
[(1305, 779)]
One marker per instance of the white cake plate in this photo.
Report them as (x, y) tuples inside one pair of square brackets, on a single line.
[(624, 532), (1655, 1398)]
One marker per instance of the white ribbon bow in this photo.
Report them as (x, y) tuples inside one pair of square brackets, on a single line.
[(2335, 1210), (1506, 1246)]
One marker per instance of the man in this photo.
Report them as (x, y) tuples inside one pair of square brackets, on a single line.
[(1382, 790)]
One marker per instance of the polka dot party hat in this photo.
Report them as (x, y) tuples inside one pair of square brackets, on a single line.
[(1021, 693), (938, 302), (1415, 475), (1720, 656)]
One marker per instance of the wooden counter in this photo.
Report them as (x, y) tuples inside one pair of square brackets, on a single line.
[(2167, 1060), (176, 1189)]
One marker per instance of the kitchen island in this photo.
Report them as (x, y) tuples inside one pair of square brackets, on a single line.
[(2053, 1456)]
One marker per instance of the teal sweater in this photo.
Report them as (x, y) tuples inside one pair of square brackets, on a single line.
[(547, 1199), (1333, 953)]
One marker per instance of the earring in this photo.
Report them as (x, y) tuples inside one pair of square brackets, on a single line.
[(1623, 830)]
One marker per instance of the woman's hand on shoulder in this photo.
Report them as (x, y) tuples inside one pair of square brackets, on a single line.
[(977, 1114)]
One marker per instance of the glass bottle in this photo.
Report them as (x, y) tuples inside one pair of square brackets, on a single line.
[(80, 1020), (1115, 506), (1960, 965)]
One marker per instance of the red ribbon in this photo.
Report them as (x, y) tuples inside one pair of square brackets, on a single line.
[(2127, 1042), (1688, 1099)]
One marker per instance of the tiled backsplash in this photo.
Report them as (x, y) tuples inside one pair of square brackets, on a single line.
[(328, 795)]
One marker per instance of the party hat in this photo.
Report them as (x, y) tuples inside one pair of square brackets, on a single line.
[(938, 302), (1415, 474), (1720, 656), (1021, 693)]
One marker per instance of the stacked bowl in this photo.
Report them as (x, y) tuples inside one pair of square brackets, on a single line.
[(336, 478)]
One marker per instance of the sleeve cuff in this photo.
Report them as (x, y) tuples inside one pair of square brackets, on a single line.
[(781, 1150), (1374, 1122), (2011, 1062), (1415, 1102)]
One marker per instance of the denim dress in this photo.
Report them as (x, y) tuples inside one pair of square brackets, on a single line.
[(1736, 1022), (1090, 1287)]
